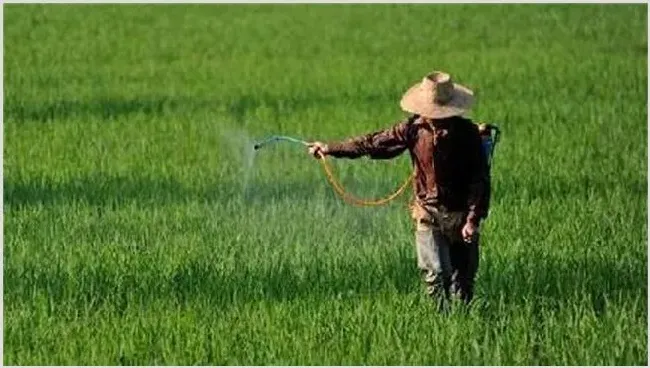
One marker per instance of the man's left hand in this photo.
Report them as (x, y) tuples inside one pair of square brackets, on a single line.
[(317, 149), (470, 232)]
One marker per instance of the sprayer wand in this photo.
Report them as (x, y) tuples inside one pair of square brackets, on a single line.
[(330, 177), (276, 138)]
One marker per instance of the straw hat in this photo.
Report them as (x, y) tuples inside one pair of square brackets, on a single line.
[(437, 97)]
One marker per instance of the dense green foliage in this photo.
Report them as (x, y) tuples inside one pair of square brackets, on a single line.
[(140, 229)]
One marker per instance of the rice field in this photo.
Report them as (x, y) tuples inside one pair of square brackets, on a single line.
[(140, 228)]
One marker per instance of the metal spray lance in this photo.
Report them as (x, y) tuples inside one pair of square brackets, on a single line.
[(277, 138), (330, 176)]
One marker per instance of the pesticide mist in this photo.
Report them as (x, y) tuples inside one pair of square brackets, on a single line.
[(240, 145)]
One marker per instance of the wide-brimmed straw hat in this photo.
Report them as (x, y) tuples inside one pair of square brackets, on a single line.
[(437, 97)]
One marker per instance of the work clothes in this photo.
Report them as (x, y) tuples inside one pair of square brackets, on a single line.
[(450, 166), (451, 187), (448, 267)]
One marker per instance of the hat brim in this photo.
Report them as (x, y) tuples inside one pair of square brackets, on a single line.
[(419, 101)]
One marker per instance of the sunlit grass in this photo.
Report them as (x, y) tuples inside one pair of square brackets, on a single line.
[(140, 231)]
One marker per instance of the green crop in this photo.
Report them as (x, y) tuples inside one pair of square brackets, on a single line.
[(141, 228)]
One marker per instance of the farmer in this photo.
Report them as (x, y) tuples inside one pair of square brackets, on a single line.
[(451, 179)]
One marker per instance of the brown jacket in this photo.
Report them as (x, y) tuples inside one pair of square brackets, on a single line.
[(449, 163)]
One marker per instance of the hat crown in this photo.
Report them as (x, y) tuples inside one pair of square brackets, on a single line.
[(440, 85), (437, 96)]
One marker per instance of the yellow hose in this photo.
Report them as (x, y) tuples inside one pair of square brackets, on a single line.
[(378, 202), (357, 201)]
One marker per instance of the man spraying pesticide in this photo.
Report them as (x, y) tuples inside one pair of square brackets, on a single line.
[(450, 156)]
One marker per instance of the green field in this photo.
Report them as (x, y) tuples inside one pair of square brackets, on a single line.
[(140, 229)]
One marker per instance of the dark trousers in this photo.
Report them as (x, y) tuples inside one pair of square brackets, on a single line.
[(448, 266)]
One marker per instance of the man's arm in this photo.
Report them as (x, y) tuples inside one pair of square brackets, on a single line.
[(384, 144), (479, 187)]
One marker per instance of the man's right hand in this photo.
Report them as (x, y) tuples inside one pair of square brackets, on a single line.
[(318, 149)]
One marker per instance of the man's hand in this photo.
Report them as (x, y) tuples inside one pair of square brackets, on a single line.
[(318, 149), (470, 232)]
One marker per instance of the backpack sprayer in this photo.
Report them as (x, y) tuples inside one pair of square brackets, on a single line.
[(490, 135)]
